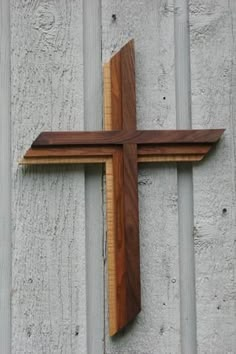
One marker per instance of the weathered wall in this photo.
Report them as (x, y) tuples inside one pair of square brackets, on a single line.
[(213, 30), (5, 180), (48, 204), (48, 256)]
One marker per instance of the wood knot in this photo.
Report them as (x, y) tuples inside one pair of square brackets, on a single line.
[(26, 2), (44, 18)]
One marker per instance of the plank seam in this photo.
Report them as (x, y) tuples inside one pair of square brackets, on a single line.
[(185, 183), (5, 181)]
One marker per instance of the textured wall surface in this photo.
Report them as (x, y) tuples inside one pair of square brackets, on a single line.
[(5, 179), (48, 260), (213, 30), (49, 302)]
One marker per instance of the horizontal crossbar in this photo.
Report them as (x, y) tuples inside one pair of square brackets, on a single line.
[(102, 138), (153, 153)]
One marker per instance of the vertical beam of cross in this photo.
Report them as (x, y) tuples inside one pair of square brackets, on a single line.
[(125, 172)]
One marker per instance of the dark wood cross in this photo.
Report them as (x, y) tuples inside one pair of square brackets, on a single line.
[(121, 147)]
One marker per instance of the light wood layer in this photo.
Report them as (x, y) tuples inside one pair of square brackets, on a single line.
[(143, 150), (111, 248), (170, 158), (110, 209), (107, 96), (104, 159), (62, 160)]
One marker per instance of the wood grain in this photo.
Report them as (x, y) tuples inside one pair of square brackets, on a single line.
[(70, 152), (63, 160), (131, 260), (116, 236), (132, 255), (120, 245), (107, 104), (50, 139), (116, 93), (128, 95), (124, 280), (143, 150), (104, 159), (111, 246), (154, 153), (111, 205)]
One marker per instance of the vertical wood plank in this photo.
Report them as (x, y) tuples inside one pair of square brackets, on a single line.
[(5, 180), (111, 90), (116, 93), (128, 82), (127, 268), (131, 216), (94, 181), (113, 120), (151, 26), (120, 244), (213, 31), (48, 269), (123, 237), (131, 277)]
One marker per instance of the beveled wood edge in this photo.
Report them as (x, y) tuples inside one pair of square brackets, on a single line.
[(119, 137), (87, 160), (111, 249), (107, 96), (170, 158), (128, 250), (90, 155), (61, 160), (110, 208)]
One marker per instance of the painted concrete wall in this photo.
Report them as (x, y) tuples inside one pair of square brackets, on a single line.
[(57, 48)]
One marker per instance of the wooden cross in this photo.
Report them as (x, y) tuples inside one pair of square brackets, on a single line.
[(121, 147)]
